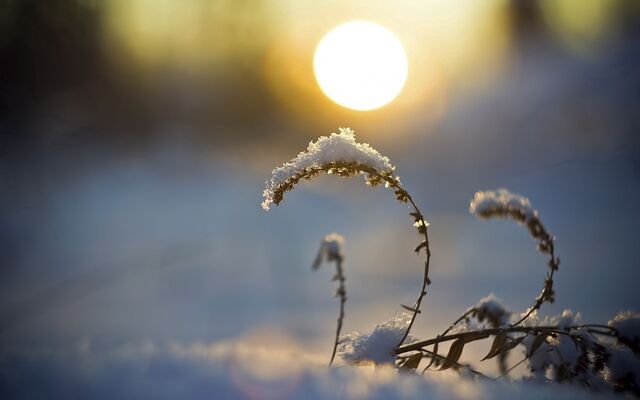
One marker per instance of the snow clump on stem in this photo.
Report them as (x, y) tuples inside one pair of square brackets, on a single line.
[(337, 153)]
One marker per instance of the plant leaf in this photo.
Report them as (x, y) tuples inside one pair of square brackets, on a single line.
[(454, 354), (318, 260), (434, 357), (512, 343), (496, 347), (412, 362), (410, 309), (537, 342)]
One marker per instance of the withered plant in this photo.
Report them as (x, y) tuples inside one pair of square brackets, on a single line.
[(559, 349)]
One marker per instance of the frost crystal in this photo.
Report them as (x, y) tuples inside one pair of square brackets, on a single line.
[(338, 148), (502, 203), (378, 345)]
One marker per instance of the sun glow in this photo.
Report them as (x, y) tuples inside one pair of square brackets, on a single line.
[(360, 65)]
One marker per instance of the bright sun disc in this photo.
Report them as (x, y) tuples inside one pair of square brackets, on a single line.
[(360, 65)]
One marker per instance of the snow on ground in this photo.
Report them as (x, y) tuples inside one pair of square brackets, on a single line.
[(258, 368)]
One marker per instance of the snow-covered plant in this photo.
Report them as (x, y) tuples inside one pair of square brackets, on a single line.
[(627, 325), (339, 154), (502, 203), (557, 349)]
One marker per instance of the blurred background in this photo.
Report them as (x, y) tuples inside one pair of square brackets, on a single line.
[(136, 135)]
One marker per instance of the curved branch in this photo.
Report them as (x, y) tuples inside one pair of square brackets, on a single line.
[(373, 178), (422, 227), (547, 290)]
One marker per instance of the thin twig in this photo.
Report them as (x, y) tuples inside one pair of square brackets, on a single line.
[(514, 366), (456, 365), (457, 321), (425, 278), (548, 284), (401, 193), (342, 292)]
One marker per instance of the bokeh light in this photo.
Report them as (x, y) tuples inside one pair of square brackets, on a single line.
[(360, 65)]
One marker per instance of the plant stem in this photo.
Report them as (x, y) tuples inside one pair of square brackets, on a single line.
[(514, 366), (542, 297), (346, 169), (393, 183), (457, 364), (425, 277), (342, 292), (483, 333), (460, 319)]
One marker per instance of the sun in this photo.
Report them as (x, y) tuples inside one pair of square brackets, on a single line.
[(360, 65)]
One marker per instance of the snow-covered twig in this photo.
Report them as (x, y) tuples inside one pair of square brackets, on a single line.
[(502, 203), (340, 154)]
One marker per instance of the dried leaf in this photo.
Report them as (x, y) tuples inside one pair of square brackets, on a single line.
[(496, 347), (422, 245), (434, 357), (412, 362), (537, 342), (454, 354), (512, 343)]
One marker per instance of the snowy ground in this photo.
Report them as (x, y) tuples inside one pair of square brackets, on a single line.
[(247, 369)]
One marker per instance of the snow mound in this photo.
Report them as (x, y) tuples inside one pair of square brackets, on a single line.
[(378, 345), (236, 370)]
